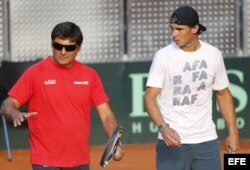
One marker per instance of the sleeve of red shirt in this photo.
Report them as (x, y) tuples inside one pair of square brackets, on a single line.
[(22, 89), (98, 94)]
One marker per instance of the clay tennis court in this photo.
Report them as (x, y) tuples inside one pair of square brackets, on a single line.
[(138, 156)]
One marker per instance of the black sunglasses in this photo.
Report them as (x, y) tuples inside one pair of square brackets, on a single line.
[(68, 48)]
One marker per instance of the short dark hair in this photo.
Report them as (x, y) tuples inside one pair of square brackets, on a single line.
[(68, 30)]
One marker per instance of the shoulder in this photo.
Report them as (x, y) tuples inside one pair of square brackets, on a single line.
[(167, 51), (37, 65), (212, 53), (88, 69), (84, 66), (210, 48)]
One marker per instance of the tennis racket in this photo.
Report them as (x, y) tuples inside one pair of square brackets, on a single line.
[(111, 146)]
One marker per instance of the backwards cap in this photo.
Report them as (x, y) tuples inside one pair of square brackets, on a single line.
[(186, 15)]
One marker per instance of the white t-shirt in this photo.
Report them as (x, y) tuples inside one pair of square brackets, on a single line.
[(187, 81)]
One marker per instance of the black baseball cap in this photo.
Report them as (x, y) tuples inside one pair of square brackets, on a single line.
[(186, 15)]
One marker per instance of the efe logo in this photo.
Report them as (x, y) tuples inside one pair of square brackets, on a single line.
[(236, 161)]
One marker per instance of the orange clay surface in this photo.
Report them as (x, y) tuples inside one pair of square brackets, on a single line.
[(137, 156)]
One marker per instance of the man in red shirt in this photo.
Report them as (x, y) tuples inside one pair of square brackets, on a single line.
[(59, 92)]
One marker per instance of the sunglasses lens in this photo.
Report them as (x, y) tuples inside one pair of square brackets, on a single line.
[(68, 48), (57, 46)]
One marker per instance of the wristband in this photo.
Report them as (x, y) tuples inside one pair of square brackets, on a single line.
[(162, 126)]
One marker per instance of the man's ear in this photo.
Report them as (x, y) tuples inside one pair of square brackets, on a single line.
[(80, 48), (195, 29)]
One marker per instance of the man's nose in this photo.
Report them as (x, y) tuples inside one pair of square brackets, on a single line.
[(63, 51), (174, 33)]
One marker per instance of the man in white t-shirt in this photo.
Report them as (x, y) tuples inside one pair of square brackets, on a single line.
[(178, 98)]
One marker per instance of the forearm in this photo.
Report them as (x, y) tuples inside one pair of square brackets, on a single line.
[(226, 105), (9, 108), (154, 113), (227, 110), (108, 118), (153, 110), (109, 124)]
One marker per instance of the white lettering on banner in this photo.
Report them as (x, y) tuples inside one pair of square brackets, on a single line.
[(136, 127), (221, 124), (138, 94), (237, 91), (153, 128)]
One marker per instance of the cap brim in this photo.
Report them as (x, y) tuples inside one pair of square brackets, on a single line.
[(202, 28)]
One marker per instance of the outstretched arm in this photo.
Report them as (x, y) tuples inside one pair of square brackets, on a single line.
[(226, 105), (10, 109)]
